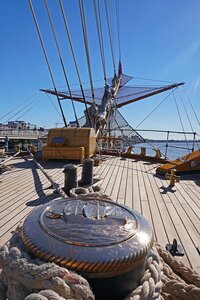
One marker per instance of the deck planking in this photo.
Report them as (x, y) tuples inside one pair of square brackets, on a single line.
[(172, 213)]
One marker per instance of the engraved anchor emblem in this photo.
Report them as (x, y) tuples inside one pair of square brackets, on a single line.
[(51, 215), (88, 211)]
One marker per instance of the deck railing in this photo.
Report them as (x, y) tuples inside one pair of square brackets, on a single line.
[(189, 142), (17, 133), (153, 139)]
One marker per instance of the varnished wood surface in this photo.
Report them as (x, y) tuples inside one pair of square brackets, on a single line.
[(173, 213)]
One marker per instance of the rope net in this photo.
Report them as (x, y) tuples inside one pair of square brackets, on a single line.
[(116, 127), (125, 95)]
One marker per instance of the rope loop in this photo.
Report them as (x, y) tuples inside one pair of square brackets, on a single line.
[(22, 277), (90, 192), (151, 284), (176, 277), (177, 267)]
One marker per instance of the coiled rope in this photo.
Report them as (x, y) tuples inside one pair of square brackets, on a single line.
[(24, 276), (28, 278), (179, 281)]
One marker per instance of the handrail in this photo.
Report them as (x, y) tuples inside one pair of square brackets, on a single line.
[(12, 132), (166, 131)]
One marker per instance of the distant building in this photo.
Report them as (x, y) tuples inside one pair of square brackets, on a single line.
[(20, 125)]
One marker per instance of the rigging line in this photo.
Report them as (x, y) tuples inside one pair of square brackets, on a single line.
[(111, 17), (74, 58), (181, 120), (153, 110), (83, 23), (20, 110), (61, 60), (26, 112), (110, 37), (192, 106), (87, 82), (114, 117), (156, 80), (188, 116), (18, 106), (53, 105), (186, 112), (46, 58), (100, 36), (100, 32), (118, 28), (114, 34), (137, 133)]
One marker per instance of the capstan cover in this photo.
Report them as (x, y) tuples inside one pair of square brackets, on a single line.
[(93, 237)]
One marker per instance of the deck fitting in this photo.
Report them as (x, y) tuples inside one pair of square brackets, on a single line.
[(175, 249), (172, 177)]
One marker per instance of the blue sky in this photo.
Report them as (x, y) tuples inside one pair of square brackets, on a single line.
[(159, 40)]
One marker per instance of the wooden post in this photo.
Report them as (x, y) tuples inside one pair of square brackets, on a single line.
[(143, 151)]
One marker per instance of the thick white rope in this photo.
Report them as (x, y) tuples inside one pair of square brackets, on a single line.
[(151, 283), (55, 185), (179, 281), (44, 295), (3, 167), (23, 275), (9, 158)]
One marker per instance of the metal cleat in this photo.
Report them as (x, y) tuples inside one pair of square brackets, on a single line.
[(130, 150), (175, 249), (172, 177), (158, 153)]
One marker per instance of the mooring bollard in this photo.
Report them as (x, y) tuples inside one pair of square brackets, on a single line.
[(70, 172), (87, 172), (96, 161), (143, 151)]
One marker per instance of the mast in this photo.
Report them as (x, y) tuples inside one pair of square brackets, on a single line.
[(104, 102)]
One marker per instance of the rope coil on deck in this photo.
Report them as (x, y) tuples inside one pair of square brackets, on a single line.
[(24, 277), (179, 281), (32, 279)]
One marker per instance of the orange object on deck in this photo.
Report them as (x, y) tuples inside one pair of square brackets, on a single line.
[(188, 164)]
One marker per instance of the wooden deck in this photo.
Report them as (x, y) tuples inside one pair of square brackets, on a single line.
[(173, 213)]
